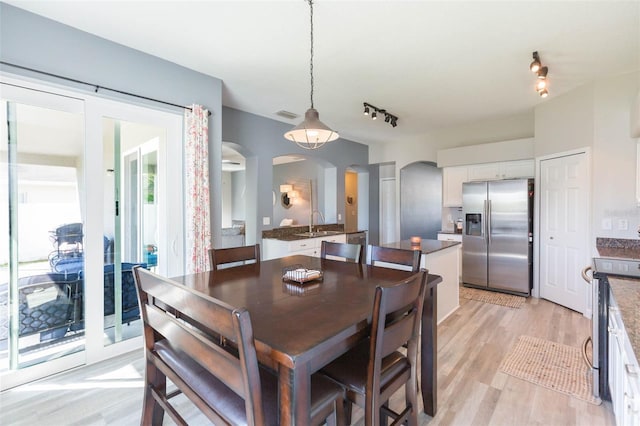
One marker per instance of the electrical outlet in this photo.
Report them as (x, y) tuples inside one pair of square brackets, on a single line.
[(339, 216), (266, 220), (623, 224), (606, 224)]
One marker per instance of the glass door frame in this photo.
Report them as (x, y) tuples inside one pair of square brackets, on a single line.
[(171, 235)]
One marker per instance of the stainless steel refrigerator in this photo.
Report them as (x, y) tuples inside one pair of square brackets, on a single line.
[(497, 239)]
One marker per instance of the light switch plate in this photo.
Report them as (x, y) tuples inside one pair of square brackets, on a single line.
[(623, 224), (266, 220), (606, 224)]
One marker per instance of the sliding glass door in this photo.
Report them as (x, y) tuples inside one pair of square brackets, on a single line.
[(89, 188), (41, 185)]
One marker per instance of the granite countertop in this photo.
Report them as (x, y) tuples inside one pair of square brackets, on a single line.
[(426, 246), (618, 248), (626, 292), (291, 233)]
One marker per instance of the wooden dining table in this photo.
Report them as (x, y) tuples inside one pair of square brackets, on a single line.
[(299, 328)]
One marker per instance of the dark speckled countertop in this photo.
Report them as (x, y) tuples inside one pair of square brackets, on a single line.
[(626, 292), (427, 246)]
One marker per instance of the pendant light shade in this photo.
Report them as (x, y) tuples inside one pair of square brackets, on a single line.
[(311, 133)]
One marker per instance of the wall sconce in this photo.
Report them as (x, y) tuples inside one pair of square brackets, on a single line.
[(288, 194), (541, 72), (388, 117)]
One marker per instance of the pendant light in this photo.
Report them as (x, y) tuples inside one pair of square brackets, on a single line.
[(311, 133)]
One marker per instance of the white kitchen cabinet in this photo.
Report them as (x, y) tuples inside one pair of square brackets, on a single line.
[(454, 177), (452, 180), (624, 372), (502, 170), (444, 236), (274, 249)]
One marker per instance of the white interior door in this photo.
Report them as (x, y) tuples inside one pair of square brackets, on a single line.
[(564, 230)]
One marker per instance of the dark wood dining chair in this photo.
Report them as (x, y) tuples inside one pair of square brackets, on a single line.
[(228, 387), (346, 251), (225, 256), (375, 369), (395, 256)]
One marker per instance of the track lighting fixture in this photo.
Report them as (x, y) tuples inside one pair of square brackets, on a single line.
[(541, 73), (388, 117)]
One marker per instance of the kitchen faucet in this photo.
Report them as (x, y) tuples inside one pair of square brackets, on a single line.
[(311, 210)]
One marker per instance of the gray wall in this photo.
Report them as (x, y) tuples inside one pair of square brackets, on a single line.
[(261, 139), (420, 200), (35, 42)]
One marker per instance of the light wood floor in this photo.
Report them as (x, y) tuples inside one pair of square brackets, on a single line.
[(471, 391)]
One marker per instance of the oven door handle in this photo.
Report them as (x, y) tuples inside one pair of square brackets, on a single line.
[(586, 277)]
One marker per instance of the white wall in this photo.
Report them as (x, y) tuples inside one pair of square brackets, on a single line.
[(614, 159), (598, 115), (565, 122), (514, 127)]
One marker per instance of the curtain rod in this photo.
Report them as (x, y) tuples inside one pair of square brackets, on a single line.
[(96, 86)]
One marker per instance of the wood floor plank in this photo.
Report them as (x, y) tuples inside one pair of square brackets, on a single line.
[(471, 390)]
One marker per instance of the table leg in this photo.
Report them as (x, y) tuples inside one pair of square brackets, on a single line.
[(294, 395), (429, 351)]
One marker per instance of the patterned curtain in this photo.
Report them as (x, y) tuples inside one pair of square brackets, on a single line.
[(198, 238)]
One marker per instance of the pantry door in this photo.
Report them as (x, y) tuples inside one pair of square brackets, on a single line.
[(564, 230)]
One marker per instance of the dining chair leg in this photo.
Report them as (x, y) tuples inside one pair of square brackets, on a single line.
[(384, 419), (347, 408), (411, 393), (152, 411)]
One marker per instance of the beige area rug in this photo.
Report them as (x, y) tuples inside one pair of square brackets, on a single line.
[(493, 297), (552, 365)]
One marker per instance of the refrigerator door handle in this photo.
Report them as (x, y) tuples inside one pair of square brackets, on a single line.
[(484, 217), (488, 220)]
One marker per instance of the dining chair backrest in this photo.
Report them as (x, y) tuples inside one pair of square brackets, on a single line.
[(342, 251), (397, 311), (227, 256), (396, 258), (178, 326)]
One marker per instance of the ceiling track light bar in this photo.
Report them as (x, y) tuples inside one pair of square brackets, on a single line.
[(541, 72), (374, 111)]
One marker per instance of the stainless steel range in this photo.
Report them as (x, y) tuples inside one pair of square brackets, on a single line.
[(603, 268)]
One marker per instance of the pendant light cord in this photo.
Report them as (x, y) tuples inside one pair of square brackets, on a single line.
[(311, 61)]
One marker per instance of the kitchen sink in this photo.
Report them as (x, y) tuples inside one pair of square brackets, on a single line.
[(318, 233)]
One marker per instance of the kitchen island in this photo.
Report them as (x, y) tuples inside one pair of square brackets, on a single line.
[(440, 258)]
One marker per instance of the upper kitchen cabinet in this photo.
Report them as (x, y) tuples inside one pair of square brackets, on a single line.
[(452, 180), (454, 177), (502, 170)]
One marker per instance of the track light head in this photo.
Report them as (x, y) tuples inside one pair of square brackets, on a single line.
[(374, 115), (543, 93), (535, 65), (394, 122), (366, 109), (541, 84), (542, 73), (387, 118)]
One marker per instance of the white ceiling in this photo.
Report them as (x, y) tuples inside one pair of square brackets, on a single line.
[(434, 64)]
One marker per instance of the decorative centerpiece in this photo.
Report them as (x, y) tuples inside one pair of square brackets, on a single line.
[(299, 274)]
